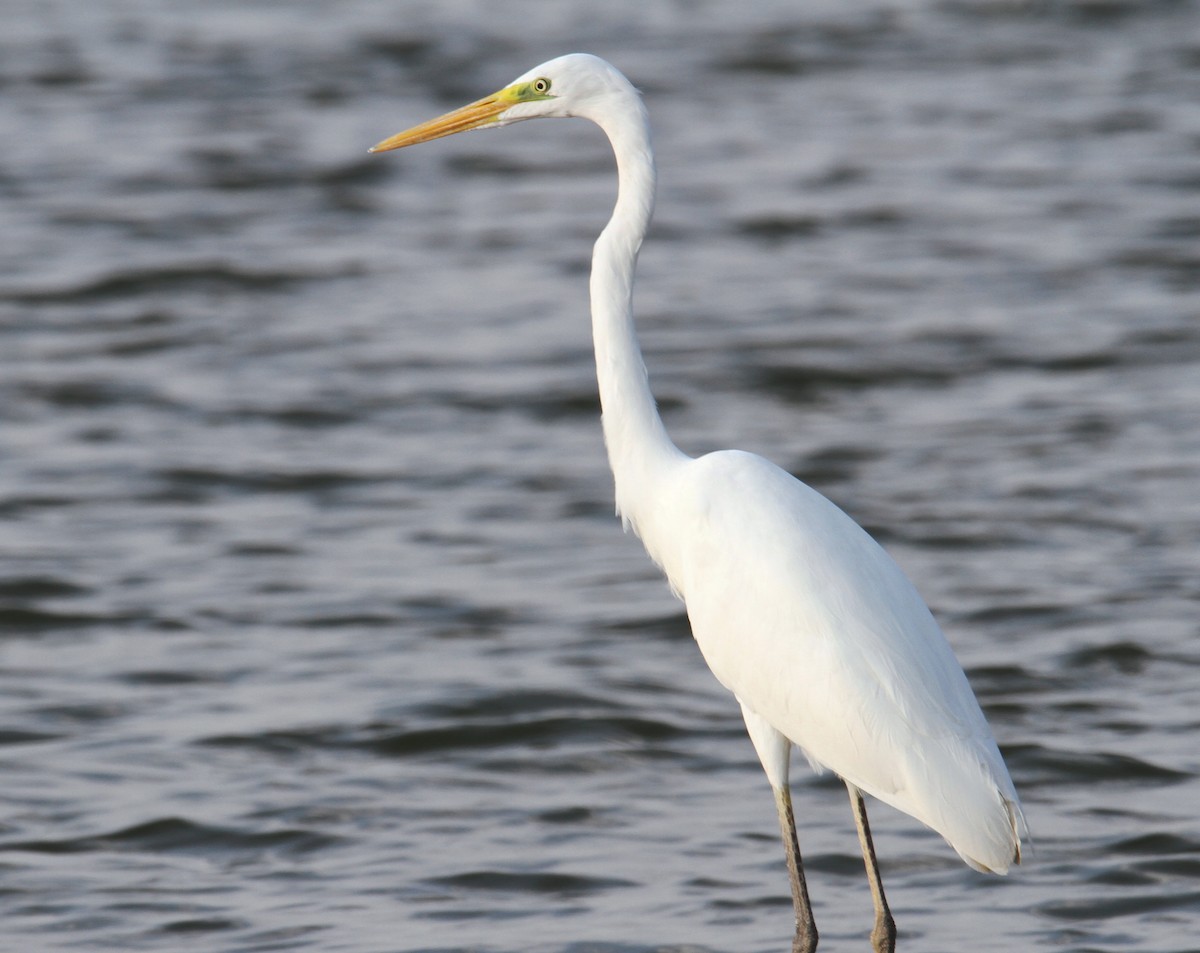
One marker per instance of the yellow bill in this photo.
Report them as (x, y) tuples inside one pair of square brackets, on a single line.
[(472, 116)]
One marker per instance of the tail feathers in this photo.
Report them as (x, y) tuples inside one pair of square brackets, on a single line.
[(1000, 862)]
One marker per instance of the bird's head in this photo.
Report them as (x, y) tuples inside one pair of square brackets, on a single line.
[(577, 84)]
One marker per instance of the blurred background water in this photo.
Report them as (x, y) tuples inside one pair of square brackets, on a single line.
[(318, 630)]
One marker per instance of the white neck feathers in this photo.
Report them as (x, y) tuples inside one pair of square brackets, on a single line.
[(639, 450)]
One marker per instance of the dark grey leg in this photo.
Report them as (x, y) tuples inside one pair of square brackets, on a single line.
[(806, 927), (883, 936)]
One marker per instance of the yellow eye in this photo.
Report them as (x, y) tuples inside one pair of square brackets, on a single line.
[(541, 85)]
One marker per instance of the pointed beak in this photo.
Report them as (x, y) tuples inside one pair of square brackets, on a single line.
[(472, 116)]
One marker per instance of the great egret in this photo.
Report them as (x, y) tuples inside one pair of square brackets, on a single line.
[(799, 613)]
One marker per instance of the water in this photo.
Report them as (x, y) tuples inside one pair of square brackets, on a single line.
[(319, 633)]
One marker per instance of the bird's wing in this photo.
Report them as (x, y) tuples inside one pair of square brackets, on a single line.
[(814, 627)]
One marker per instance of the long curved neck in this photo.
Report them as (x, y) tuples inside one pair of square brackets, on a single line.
[(639, 450)]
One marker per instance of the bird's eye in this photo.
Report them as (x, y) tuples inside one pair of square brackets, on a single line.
[(541, 85)]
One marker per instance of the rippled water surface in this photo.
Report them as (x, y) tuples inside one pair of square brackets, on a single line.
[(318, 630)]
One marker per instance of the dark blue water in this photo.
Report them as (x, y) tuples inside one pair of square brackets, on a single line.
[(318, 631)]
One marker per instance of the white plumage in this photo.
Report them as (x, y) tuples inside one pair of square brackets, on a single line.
[(859, 676), (798, 612)]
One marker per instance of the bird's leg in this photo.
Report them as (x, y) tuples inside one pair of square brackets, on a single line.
[(883, 936), (806, 927)]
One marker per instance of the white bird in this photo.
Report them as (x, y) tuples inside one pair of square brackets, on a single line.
[(799, 613)]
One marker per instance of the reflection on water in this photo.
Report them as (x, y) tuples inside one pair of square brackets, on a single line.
[(319, 631)]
